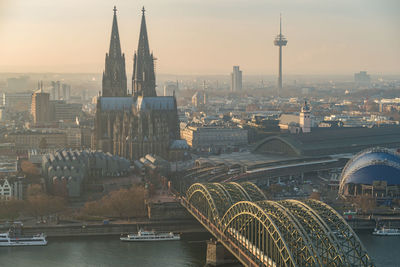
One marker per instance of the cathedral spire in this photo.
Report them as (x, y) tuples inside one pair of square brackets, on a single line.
[(143, 79), (114, 76), (143, 46), (115, 44)]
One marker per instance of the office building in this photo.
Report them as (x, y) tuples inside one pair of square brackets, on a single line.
[(362, 78), (214, 138), (17, 101), (236, 79), (40, 108)]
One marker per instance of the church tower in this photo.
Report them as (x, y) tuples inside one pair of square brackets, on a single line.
[(114, 75), (143, 78), (305, 118)]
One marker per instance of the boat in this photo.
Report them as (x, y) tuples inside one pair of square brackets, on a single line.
[(386, 231), (14, 237), (142, 235), (8, 241)]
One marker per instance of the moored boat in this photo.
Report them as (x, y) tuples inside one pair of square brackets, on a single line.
[(10, 240), (386, 231), (15, 237), (142, 235)]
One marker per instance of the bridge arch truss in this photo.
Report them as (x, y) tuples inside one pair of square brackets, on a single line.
[(275, 233)]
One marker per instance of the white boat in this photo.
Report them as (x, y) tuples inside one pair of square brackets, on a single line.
[(386, 231), (150, 236), (10, 240)]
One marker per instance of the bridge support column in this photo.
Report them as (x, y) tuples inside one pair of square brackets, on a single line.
[(218, 255)]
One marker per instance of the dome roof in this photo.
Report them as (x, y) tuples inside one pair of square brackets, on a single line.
[(376, 164)]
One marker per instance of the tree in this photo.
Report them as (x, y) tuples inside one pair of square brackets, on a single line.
[(315, 195), (275, 189), (29, 169), (121, 203), (365, 203), (34, 190), (42, 205), (11, 209), (37, 205)]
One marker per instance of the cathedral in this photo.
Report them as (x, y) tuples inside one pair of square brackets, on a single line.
[(134, 124)]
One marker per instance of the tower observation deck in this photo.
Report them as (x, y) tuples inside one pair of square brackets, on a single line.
[(280, 41)]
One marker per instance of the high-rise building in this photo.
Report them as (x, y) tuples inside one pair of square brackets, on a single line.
[(199, 99), (114, 75), (66, 91), (60, 91), (170, 88), (280, 41), (2, 113), (17, 101), (61, 110), (20, 83), (55, 90), (362, 78), (40, 106), (236, 79)]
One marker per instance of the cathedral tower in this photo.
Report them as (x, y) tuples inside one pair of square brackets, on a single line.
[(143, 78), (114, 75)]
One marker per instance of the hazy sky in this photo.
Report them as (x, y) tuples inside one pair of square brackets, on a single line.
[(204, 36)]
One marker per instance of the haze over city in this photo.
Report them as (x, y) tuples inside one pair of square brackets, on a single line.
[(230, 133), (204, 37)]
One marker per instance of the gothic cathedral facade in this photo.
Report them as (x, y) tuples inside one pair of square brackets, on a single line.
[(133, 124)]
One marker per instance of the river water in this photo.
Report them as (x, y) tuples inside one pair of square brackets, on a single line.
[(190, 251)]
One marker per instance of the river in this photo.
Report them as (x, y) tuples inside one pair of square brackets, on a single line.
[(190, 251)]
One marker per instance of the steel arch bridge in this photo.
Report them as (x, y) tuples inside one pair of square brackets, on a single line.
[(260, 232)]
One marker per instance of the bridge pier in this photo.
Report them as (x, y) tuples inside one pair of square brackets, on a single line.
[(218, 255)]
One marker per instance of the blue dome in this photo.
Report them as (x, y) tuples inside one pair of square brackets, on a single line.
[(378, 172), (377, 164)]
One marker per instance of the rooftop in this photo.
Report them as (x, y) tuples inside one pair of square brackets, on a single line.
[(328, 141)]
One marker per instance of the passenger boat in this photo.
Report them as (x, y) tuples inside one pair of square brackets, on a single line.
[(150, 236), (386, 231), (10, 240), (15, 237)]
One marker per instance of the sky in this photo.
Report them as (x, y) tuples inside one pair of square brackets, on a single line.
[(204, 36)]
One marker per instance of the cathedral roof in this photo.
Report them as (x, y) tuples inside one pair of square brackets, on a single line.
[(155, 103), (116, 103), (179, 144)]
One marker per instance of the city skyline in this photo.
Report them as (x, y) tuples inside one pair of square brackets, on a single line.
[(242, 34)]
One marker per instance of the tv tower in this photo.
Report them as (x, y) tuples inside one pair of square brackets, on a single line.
[(280, 41)]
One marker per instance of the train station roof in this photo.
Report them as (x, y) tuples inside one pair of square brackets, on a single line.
[(328, 141)]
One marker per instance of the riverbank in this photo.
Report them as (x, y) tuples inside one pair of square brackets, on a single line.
[(86, 229), (370, 223)]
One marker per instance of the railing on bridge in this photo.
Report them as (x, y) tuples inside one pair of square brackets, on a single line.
[(259, 232)]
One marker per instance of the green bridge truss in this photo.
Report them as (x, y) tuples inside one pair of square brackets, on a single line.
[(275, 233)]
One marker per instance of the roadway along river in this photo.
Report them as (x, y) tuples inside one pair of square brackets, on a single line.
[(190, 251)]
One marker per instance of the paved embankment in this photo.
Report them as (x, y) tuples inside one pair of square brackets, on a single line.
[(370, 224), (179, 226)]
